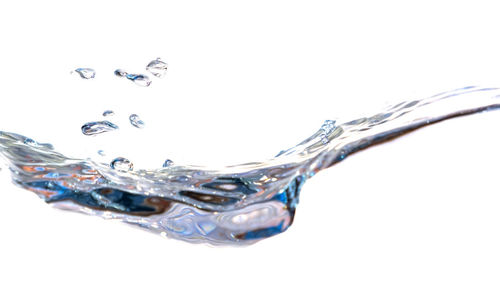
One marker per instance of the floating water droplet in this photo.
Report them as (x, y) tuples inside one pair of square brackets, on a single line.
[(85, 73), (136, 121), (168, 163), (157, 67), (101, 152), (122, 164), (139, 79), (120, 73), (108, 113), (98, 127)]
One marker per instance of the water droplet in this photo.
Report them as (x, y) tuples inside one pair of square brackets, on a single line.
[(136, 121), (85, 73), (120, 73), (139, 79), (101, 152), (122, 164), (98, 127), (168, 163), (157, 67), (108, 113)]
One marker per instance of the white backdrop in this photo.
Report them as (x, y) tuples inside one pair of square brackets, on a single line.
[(245, 80)]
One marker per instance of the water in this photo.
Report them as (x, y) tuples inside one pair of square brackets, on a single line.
[(108, 113), (85, 73), (136, 121), (157, 67), (121, 164), (167, 163), (98, 127), (235, 205)]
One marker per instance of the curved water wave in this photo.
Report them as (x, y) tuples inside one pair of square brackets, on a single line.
[(238, 204)]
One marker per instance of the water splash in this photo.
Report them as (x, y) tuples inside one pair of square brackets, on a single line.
[(235, 205), (85, 73), (157, 67), (136, 121), (98, 127)]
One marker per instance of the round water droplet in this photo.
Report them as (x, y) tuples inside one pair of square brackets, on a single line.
[(122, 164), (120, 73), (101, 152), (139, 79), (108, 113), (98, 127), (157, 67), (85, 73), (136, 121), (168, 163)]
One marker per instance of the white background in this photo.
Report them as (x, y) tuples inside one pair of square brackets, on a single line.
[(247, 79)]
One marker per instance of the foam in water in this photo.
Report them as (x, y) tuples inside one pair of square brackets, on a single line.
[(98, 127), (85, 73), (234, 205), (157, 67), (136, 121)]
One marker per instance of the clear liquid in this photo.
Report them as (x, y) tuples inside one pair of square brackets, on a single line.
[(238, 204)]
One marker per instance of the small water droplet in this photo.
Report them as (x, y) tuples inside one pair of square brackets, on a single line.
[(108, 113), (168, 163), (120, 73), (98, 127), (101, 152), (139, 79), (136, 121), (122, 164), (85, 73), (157, 67)]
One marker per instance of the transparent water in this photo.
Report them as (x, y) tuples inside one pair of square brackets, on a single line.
[(238, 204)]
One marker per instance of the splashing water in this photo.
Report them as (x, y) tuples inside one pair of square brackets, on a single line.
[(136, 121), (85, 73), (157, 67), (98, 127), (236, 205)]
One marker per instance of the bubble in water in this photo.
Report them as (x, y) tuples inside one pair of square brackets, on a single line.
[(168, 163), (108, 113), (157, 67), (85, 73), (122, 164), (120, 73), (136, 121), (98, 127)]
